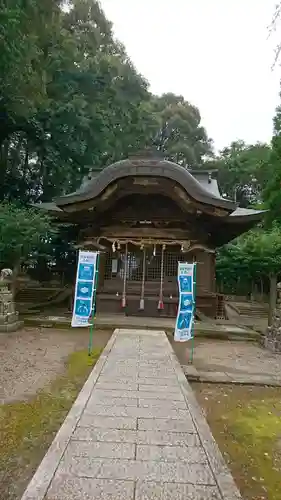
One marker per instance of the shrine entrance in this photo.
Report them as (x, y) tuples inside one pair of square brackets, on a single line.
[(142, 276)]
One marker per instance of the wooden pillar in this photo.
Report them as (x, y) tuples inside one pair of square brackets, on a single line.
[(102, 261), (213, 272), (200, 272), (205, 271)]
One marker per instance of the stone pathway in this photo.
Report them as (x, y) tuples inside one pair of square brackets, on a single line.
[(134, 432)]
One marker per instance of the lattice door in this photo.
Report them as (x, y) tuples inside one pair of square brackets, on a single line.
[(115, 265)]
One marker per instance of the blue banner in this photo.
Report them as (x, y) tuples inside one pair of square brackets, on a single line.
[(84, 288), (184, 328)]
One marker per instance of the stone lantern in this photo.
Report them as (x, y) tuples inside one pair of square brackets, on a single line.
[(9, 317)]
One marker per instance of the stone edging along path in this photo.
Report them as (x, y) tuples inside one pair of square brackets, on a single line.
[(224, 377), (135, 432)]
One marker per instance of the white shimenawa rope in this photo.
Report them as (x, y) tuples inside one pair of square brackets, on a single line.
[(143, 281), (160, 302), (124, 302)]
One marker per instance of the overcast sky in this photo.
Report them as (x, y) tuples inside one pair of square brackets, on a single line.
[(216, 53)]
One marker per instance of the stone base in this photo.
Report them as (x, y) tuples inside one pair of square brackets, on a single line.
[(9, 318), (11, 327), (273, 345)]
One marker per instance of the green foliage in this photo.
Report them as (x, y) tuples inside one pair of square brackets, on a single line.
[(272, 191), (26, 30), (24, 233), (69, 98), (254, 255), (230, 265), (180, 136), (263, 250), (243, 171)]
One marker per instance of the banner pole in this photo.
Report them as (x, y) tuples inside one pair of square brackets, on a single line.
[(194, 311), (93, 311)]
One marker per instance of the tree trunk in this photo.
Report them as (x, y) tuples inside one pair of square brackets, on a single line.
[(261, 289), (272, 297), (252, 291)]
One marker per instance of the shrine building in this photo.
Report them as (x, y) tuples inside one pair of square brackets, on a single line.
[(144, 215)]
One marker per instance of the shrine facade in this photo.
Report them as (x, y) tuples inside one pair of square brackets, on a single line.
[(144, 215)]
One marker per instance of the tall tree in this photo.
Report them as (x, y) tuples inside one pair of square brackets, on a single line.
[(180, 135), (243, 171), (92, 105), (24, 234), (70, 99), (254, 256), (25, 36), (272, 191)]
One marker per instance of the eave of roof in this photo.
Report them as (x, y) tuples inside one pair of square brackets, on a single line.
[(49, 207), (246, 214), (147, 168)]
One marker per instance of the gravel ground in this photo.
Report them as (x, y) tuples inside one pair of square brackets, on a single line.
[(33, 357), (229, 356)]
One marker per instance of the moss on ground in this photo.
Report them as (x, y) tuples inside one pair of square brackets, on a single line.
[(28, 428), (246, 422)]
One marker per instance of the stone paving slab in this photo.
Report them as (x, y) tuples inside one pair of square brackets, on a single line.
[(138, 437), (171, 453), (166, 424), (138, 412), (106, 422), (143, 394), (161, 403), (69, 488), (99, 449), (135, 432), (167, 491), (133, 470)]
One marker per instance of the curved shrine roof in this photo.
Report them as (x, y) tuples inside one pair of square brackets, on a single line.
[(201, 185), (149, 168)]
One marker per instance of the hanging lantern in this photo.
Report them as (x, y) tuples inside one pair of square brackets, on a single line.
[(118, 245), (114, 247), (154, 251), (182, 249)]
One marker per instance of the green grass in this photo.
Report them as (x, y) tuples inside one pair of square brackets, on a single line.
[(246, 422), (256, 429), (28, 428)]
